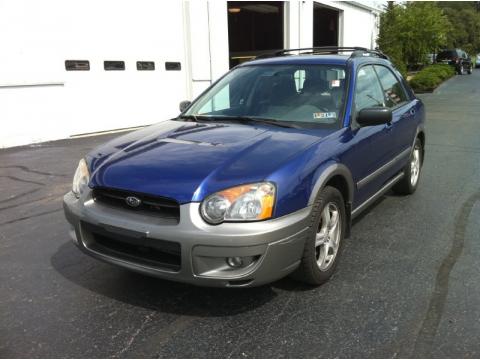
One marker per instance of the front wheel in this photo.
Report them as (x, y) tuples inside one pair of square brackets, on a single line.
[(470, 69), (461, 70), (412, 170), (325, 238)]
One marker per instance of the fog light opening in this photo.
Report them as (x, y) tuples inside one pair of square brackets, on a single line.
[(241, 262), (235, 262)]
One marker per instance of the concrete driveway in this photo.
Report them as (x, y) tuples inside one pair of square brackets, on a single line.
[(407, 285)]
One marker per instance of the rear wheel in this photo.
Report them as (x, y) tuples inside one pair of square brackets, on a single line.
[(325, 238), (412, 170)]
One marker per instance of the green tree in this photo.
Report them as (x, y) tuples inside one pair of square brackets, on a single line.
[(410, 31), (387, 40), (465, 19), (424, 29)]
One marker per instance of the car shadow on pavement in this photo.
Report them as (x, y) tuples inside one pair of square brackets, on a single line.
[(157, 294)]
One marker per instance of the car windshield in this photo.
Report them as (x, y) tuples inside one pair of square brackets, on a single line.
[(309, 95)]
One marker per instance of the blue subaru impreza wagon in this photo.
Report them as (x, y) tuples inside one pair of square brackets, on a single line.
[(259, 177)]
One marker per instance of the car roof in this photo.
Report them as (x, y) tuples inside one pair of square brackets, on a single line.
[(314, 60)]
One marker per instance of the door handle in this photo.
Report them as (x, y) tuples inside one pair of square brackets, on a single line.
[(412, 111)]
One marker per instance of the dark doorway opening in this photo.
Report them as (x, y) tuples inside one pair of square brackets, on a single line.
[(325, 26), (254, 28)]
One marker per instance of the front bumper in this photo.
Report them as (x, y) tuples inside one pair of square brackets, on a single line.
[(275, 245)]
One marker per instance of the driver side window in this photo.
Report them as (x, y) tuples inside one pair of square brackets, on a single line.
[(368, 92)]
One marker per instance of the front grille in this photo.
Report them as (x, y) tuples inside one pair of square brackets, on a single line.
[(155, 253), (151, 205)]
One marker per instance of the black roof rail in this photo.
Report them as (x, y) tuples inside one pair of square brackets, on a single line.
[(322, 50), (370, 52)]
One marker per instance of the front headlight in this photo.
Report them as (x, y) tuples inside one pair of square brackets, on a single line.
[(241, 203), (81, 178)]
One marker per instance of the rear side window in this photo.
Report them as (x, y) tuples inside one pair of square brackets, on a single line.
[(393, 90), (368, 92)]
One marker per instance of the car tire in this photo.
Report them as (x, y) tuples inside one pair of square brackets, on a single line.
[(460, 70), (470, 70), (412, 171), (324, 241)]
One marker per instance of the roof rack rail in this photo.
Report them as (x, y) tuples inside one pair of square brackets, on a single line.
[(322, 50)]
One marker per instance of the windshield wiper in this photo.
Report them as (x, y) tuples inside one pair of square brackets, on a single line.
[(242, 119), (194, 117), (249, 119)]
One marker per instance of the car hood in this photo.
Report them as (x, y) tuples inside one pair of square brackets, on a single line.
[(187, 161)]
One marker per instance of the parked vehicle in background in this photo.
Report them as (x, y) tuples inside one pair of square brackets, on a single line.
[(457, 58), (477, 61), (259, 177)]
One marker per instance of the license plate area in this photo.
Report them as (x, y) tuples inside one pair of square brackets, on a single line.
[(132, 246)]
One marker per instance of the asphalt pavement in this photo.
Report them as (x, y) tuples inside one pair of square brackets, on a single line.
[(407, 284)]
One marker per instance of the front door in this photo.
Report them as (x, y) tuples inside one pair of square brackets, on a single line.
[(373, 146)]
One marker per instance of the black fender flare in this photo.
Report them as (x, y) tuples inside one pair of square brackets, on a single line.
[(335, 169), (420, 130)]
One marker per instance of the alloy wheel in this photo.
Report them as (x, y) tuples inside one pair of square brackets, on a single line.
[(327, 240), (415, 164)]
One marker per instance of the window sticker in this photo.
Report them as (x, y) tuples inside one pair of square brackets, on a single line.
[(335, 83), (325, 115)]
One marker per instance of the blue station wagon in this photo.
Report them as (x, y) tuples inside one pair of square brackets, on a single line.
[(259, 177)]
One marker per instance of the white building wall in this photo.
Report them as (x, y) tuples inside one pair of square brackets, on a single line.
[(359, 25), (306, 24), (292, 25), (41, 101), (218, 24)]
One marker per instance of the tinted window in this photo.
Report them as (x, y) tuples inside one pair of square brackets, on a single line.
[(311, 94), (77, 65), (394, 93), (368, 92), (114, 65), (447, 54), (145, 65)]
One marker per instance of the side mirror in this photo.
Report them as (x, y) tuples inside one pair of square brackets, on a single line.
[(184, 105), (374, 116)]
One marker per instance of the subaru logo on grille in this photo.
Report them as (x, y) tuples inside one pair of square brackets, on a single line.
[(133, 201)]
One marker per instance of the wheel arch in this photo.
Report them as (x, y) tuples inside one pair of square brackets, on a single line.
[(421, 136), (338, 176)]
